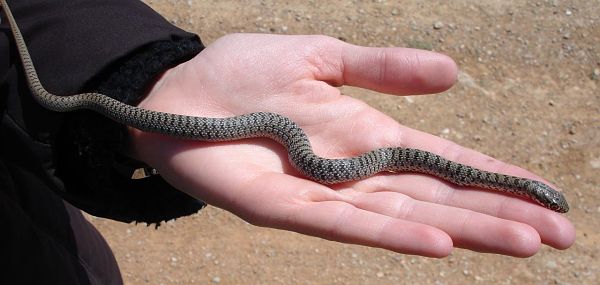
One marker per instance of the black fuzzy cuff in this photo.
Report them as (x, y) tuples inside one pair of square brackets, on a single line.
[(130, 83)]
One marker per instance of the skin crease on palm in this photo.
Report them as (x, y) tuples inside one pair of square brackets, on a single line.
[(297, 76)]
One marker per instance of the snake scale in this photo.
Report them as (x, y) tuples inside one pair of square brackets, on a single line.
[(291, 136)]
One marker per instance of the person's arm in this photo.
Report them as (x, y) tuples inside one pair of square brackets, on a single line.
[(296, 76)]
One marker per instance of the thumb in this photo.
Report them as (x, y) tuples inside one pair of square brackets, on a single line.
[(400, 71)]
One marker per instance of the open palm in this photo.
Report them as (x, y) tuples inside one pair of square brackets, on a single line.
[(296, 76)]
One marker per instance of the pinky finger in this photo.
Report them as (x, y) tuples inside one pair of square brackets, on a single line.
[(340, 221)]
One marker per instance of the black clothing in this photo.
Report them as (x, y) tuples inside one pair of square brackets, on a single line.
[(116, 47)]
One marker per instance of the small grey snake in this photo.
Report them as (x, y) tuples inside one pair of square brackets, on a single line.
[(291, 136)]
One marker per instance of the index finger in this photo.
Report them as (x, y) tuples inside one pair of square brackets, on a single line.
[(412, 138)]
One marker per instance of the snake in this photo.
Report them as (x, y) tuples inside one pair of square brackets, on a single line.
[(291, 136)]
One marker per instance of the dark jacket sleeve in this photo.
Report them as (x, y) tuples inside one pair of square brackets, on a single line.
[(117, 47)]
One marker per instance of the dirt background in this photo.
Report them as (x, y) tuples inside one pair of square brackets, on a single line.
[(527, 93)]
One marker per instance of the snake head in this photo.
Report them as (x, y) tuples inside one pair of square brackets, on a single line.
[(550, 198)]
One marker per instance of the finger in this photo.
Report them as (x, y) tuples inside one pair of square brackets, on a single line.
[(390, 70), (317, 211), (359, 136), (416, 139), (343, 222), (554, 229), (468, 229)]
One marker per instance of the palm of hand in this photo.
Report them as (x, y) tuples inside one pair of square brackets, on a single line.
[(293, 76)]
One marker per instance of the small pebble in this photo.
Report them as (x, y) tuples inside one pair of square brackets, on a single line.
[(568, 12), (595, 163), (438, 25), (596, 74), (216, 279)]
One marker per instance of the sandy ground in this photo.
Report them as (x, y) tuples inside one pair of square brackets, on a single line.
[(528, 93)]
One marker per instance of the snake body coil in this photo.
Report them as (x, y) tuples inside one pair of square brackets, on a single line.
[(291, 136)]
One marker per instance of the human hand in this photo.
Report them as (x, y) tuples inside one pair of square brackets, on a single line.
[(296, 76)]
